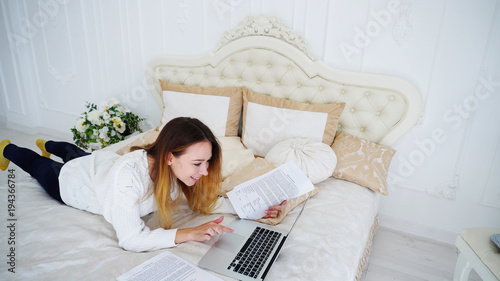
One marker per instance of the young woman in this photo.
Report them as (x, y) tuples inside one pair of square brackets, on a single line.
[(186, 157)]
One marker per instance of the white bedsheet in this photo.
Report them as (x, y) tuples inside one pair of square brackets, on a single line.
[(57, 242)]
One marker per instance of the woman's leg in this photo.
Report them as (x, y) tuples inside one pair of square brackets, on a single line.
[(67, 151), (44, 170)]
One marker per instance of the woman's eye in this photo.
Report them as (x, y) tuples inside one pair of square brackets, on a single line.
[(197, 164)]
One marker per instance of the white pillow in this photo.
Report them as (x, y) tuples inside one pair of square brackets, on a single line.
[(218, 108), (316, 159), (211, 110), (269, 120)]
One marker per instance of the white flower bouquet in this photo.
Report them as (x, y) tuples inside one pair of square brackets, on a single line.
[(104, 125)]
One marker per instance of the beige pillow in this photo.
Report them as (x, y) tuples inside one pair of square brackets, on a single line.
[(218, 108), (362, 162), (257, 168), (234, 155), (146, 139), (269, 120)]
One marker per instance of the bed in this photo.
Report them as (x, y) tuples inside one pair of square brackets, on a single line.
[(267, 62)]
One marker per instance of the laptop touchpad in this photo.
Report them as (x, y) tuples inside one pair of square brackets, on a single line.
[(230, 242)]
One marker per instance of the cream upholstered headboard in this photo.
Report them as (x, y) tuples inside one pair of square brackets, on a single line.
[(265, 56)]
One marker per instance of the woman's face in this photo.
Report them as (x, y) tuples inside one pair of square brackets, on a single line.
[(193, 164)]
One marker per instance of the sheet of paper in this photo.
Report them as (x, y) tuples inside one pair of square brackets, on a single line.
[(250, 199), (167, 267)]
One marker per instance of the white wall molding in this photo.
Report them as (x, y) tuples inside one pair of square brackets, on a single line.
[(86, 40), (11, 97), (183, 19), (102, 49), (490, 196), (403, 27), (447, 190), (63, 79)]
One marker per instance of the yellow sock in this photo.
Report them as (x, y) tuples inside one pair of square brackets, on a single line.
[(4, 162), (41, 144)]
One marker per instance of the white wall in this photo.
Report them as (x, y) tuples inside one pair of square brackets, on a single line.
[(57, 54)]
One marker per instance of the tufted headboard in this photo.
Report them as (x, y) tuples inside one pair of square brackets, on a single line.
[(265, 56)]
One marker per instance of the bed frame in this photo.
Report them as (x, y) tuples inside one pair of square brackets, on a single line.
[(265, 56)]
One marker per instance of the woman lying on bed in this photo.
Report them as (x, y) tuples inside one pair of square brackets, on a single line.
[(185, 157)]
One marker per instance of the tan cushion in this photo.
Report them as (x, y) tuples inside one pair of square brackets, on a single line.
[(362, 162), (234, 155), (480, 242), (146, 139), (269, 120), (259, 167), (227, 101)]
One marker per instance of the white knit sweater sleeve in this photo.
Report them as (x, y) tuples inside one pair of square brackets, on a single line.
[(124, 213)]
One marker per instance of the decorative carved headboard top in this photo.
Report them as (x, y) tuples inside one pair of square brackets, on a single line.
[(265, 56)]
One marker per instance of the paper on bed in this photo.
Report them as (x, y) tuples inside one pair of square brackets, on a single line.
[(250, 199), (167, 266)]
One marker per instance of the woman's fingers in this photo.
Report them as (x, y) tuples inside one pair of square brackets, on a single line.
[(219, 220), (219, 228), (202, 232), (273, 211), (214, 227)]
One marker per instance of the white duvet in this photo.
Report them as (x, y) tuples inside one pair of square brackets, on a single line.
[(50, 241)]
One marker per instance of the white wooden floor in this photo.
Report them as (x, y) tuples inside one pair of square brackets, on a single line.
[(394, 256), (401, 256)]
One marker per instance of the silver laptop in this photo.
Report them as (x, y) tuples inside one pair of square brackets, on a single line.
[(249, 252)]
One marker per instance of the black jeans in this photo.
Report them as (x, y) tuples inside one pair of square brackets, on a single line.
[(44, 170)]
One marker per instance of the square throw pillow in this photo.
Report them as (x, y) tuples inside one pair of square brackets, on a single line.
[(363, 162), (218, 108), (269, 120), (234, 155), (258, 167)]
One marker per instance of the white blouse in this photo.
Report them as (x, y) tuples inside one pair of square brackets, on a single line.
[(118, 187)]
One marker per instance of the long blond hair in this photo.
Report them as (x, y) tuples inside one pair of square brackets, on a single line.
[(175, 137)]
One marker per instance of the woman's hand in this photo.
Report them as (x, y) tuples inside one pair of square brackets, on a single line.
[(201, 233), (274, 211)]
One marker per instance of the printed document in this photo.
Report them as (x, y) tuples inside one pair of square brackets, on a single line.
[(250, 199), (167, 267)]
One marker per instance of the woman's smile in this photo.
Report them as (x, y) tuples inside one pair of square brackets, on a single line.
[(193, 164)]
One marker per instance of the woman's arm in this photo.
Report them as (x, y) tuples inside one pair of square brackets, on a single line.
[(202, 232), (123, 206), (205, 231)]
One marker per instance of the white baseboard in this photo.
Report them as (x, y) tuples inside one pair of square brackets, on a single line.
[(412, 228), (56, 135)]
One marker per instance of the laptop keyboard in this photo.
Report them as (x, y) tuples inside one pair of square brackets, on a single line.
[(254, 254)]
